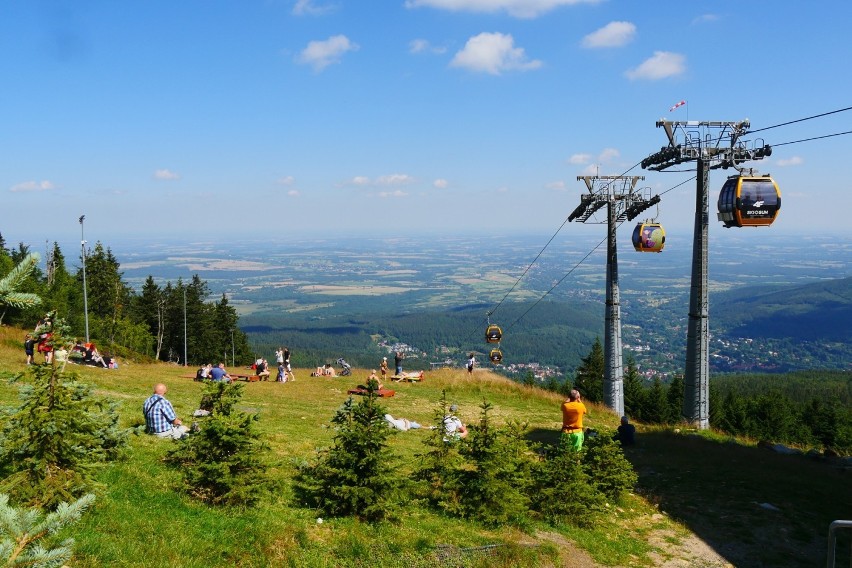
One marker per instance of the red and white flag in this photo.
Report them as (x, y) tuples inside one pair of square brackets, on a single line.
[(680, 104)]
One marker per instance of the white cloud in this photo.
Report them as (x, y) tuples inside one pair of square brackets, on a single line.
[(663, 64), (394, 179), (515, 8), (705, 18), (614, 34), (396, 193), (360, 180), (321, 54), (608, 154), (493, 53), (166, 174), (424, 46), (441, 183), (309, 8), (43, 185), (293, 193), (556, 185), (591, 170), (579, 159), (793, 161), (286, 180)]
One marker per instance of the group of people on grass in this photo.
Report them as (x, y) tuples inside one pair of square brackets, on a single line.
[(41, 341), (160, 418)]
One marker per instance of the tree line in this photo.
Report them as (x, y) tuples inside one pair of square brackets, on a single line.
[(171, 321), (807, 408)]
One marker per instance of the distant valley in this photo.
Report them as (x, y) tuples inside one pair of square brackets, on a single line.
[(776, 304)]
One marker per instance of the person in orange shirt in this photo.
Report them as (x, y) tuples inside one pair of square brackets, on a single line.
[(573, 411)]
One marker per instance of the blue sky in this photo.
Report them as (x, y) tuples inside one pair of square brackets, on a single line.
[(287, 118)]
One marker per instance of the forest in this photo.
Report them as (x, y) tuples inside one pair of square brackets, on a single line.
[(173, 321)]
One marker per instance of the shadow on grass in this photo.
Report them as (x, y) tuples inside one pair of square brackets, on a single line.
[(753, 506)]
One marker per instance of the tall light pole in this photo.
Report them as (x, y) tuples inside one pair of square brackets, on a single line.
[(184, 326), (85, 295)]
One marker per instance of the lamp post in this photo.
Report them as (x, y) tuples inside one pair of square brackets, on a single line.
[(85, 296)]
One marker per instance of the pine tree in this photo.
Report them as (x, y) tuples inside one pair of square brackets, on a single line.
[(11, 284), (607, 468), (590, 374), (60, 433), (634, 392), (562, 491), (27, 538), (656, 407), (674, 400), (438, 462), (355, 477), (222, 464), (495, 472)]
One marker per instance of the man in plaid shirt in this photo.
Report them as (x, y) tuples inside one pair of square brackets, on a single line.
[(160, 417)]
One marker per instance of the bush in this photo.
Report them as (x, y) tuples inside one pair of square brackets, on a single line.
[(563, 491)]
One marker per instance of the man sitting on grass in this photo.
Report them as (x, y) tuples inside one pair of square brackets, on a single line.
[(160, 417)]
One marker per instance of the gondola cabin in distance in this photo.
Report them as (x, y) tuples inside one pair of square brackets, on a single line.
[(649, 237), (749, 201), (493, 334)]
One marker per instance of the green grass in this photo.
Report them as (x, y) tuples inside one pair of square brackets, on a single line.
[(688, 485)]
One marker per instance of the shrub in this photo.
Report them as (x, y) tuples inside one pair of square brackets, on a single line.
[(60, 433), (609, 471), (222, 463), (355, 476)]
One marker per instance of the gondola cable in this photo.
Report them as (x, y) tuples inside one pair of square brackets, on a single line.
[(798, 120)]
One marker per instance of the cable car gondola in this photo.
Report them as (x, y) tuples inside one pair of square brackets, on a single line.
[(649, 236), (493, 334), (496, 356), (749, 201)]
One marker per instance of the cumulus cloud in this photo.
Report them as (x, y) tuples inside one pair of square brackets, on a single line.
[(608, 154), (394, 179), (663, 64), (286, 180), (515, 8), (360, 180), (793, 161), (441, 183), (579, 159), (614, 34), (493, 53), (321, 54), (311, 8), (43, 185), (166, 174), (293, 193), (591, 170), (424, 46)]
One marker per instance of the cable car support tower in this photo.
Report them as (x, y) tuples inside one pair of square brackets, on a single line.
[(711, 145), (623, 201)]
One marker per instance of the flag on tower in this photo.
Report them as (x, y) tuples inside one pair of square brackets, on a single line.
[(680, 104)]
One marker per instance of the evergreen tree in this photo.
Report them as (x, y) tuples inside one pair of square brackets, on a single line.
[(108, 295), (529, 379), (27, 538), (656, 404), (607, 468), (563, 492), (149, 308), (354, 477), (674, 400), (634, 392), (222, 463), (734, 414), (52, 442), (590, 374), (438, 462), (495, 473), (11, 284)]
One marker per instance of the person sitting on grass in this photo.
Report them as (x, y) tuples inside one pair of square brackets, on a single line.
[(160, 417), (626, 433), (453, 426)]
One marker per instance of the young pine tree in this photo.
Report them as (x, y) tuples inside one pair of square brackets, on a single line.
[(52, 442), (607, 468), (27, 538), (355, 476), (562, 492), (222, 464), (441, 458)]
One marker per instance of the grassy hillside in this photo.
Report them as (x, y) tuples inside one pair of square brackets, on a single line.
[(699, 501)]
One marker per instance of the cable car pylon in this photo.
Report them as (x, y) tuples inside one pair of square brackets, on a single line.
[(623, 201), (712, 145)]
